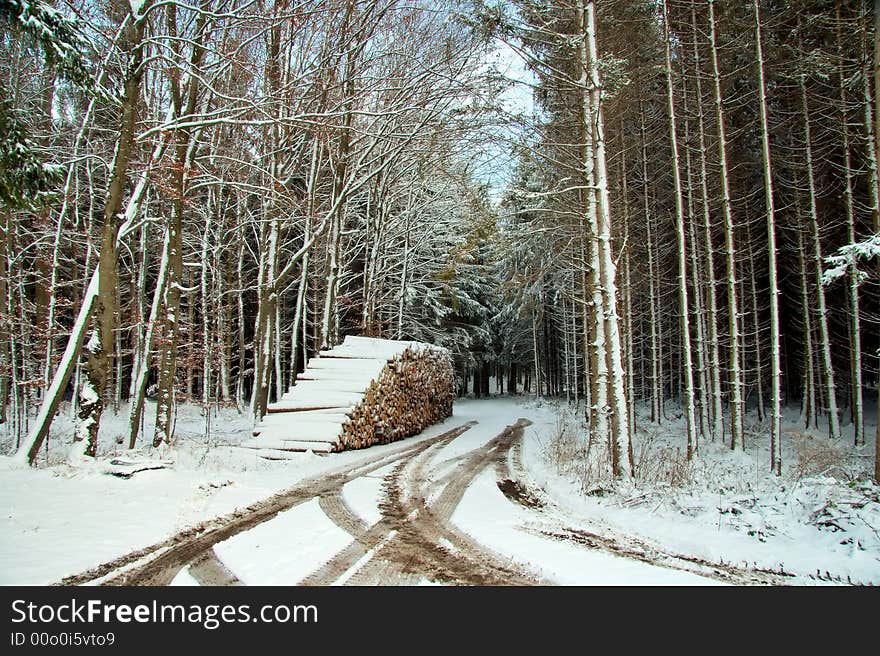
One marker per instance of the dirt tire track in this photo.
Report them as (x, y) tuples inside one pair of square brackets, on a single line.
[(628, 547), (370, 538), (513, 483), (384, 573), (334, 506), (163, 560), (334, 568), (209, 570), (417, 549)]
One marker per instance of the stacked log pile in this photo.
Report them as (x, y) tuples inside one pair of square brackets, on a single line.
[(363, 392), (414, 390)]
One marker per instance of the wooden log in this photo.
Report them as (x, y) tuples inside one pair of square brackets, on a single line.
[(414, 390)]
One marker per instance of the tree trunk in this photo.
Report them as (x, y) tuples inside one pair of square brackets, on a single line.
[(682, 252), (713, 320), (830, 389), (736, 401), (170, 319), (99, 349), (775, 347), (621, 452), (855, 336)]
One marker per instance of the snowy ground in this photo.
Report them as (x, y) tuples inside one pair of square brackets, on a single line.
[(58, 520), (820, 521), (722, 509)]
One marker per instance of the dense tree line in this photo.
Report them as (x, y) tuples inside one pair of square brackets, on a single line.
[(228, 187), (199, 197), (741, 155)]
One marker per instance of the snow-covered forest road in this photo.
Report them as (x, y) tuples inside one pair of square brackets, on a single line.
[(455, 508)]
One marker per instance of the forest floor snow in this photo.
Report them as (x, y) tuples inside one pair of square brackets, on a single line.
[(818, 523), (58, 520)]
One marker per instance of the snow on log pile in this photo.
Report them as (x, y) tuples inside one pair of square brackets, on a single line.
[(363, 392)]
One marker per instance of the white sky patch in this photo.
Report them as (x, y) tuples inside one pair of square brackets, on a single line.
[(137, 6), (518, 98)]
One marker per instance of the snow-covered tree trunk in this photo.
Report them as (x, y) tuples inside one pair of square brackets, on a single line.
[(621, 452), (66, 195), (830, 390), (687, 364), (808, 401), (756, 331), (598, 373), (714, 359), (775, 331), (278, 352), (575, 356), (207, 325), (735, 373), (588, 378), (224, 325), (340, 191), (141, 356), (241, 343), (855, 335), (184, 98), (566, 351), (536, 365), (140, 301), (269, 225), (170, 326), (265, 320), (656, 356), (627, 295), (872, 128), (301, 310), (694, 267), (334, 254), (99, 349), (405, 264), (876, 160), (5, 322)]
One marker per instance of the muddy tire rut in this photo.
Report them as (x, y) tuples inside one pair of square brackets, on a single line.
[(159, 563), (426, 545), (513, 483), (415, 540)]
